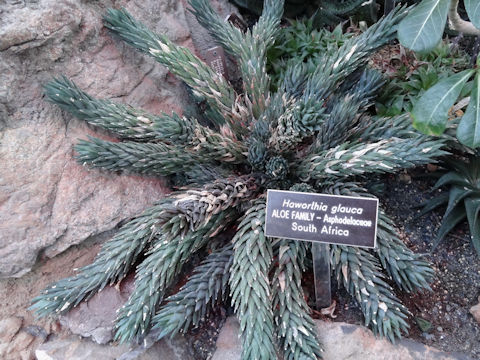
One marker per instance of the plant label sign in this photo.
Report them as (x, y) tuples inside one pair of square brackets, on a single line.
[(342, 220)]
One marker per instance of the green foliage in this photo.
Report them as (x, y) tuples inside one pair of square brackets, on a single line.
[(327, 12), (251, 291), (206, 286), (416, 74), (473, 10), (469, 128), (431, 112), (360, 273), (422, 28), (462, 199), (302, 43), (306, 133), (297, 334)]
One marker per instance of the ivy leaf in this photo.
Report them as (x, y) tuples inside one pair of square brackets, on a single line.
[(430, 113), (422, 28), (468, 131), (473, 11)]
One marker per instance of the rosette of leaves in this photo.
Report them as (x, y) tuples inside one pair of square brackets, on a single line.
[(462, 199), (302, 42), (310, 132)]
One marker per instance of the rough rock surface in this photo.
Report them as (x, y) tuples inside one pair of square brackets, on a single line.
[(81, 349), (47, 201), (203, 41), (342, 341), (14, 341), (475, 311), (95, 318), (16, 293)]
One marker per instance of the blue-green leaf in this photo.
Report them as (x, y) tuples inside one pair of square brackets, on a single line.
[(473, 11), (430, 113), (472, 207), (422, 28), (468, 131), (433, 203), (456, 195), (451, 178), (448, 223)]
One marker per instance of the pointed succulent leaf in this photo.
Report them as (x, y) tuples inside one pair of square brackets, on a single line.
[(433, 203), (422, 28), (457, 194), (472, 207), (430, 113), (448, 223), (473, 11), (468, 131), (451, 178)]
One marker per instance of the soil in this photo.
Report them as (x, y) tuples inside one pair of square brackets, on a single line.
[(456, 285)]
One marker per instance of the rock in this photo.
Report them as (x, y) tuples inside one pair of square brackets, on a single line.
[(342, 341), (95, 318), (475, 311), (47, 201), (204, 41), (9, 327), (405, 178), (228, 342), (15, 343), (81, 349), (21, 342)]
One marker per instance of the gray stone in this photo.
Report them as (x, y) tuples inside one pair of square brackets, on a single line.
[(229, 346), (9, 327), (82, 349), (15, 342), (95, 318), (48, 202), (475, 311), (342, 341)]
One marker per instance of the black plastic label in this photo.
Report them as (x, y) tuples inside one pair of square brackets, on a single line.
[(332, 219)]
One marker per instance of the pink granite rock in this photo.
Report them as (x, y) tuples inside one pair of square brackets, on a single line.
[(47, 201)]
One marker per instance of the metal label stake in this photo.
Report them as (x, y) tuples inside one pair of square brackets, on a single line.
[(321, 274)]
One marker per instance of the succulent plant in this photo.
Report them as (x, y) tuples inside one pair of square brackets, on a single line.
[(312, 133), (462, 199)]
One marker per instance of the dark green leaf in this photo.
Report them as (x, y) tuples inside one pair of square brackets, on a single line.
[(472, 207), (473, 11), (456, 195), (433, 203), (423, 324), (451, 178), (430, 113), (448, 223), (422, 28), (468, 131)]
